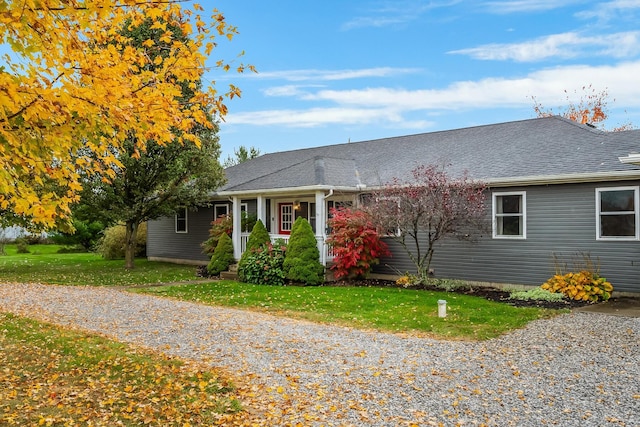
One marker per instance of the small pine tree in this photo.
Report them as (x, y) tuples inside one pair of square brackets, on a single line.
[(222, 256), (258, 237), (302, 260)]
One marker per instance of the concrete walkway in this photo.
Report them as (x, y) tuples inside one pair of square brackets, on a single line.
[(622, 306)]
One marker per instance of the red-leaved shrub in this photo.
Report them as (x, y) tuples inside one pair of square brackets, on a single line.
[(355, 242)]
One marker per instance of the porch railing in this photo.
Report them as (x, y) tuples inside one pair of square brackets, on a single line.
[(244, 237)]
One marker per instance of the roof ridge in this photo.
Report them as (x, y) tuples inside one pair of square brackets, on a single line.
[(435, 132), (584, 126)]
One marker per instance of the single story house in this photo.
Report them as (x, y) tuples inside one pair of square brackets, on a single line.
[(572, 190)]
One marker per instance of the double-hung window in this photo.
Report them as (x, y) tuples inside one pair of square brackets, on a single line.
[(509, 215), (617, 213), (181, 220)]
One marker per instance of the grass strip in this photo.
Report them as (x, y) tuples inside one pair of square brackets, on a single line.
[(386, 309), (44, 265)]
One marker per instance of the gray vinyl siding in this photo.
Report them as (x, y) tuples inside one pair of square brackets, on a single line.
[(561, 231), (164, 242)]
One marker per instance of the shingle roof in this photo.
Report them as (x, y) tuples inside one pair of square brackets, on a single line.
[(520, 150)]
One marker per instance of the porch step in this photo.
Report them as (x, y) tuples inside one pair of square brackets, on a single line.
[(231, 274)]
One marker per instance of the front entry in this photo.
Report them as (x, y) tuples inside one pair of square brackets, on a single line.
[(285, 222)]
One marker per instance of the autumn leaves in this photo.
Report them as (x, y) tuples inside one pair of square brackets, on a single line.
[(76, 81)]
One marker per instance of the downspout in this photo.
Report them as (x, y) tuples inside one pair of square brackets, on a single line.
[(330, 194)]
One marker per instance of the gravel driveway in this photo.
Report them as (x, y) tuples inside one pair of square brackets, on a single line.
[(579, 369)]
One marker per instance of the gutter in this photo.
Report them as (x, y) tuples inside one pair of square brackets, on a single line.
[(285, 190), (575, 178), (517, 181)]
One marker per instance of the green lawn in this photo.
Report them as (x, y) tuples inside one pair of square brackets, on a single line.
[(45, 265), (388, 309)]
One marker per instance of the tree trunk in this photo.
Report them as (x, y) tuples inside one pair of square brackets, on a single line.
[(130, 244)]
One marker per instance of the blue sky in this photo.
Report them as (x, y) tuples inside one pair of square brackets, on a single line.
[(336, 71)]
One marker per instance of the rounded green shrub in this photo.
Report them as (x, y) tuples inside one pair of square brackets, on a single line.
[(22, 246), (258, 237), (222, 256), (112, 244), (302, 262), (263, 265)]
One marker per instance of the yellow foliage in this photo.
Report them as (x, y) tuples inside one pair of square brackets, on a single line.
[(49, 111), (403, 281), (582, 286)]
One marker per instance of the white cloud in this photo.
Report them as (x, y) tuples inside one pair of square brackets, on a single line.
[(395, 13), (390, 105), (565, 45), (519, 6), (288, 90), (322, 116), (332, 75), (546, 85), (605, 11)]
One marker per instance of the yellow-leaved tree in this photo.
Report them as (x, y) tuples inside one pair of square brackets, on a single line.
[(74, 80)]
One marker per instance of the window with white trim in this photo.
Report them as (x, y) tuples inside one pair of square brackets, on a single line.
[(617, 213), (181, 220), (509, 215), (220, 210)]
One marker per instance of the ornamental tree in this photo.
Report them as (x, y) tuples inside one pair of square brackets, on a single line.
[(431, 206), (355, 243), (74, 80), (591, 108)]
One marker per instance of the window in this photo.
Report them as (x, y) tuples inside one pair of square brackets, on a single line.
[(312, 216), (617, 213), (509, 215), (181, 220), (220, 210)]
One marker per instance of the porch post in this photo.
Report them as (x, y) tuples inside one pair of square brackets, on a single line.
[(260, 208), (237, 228), (321, 225)]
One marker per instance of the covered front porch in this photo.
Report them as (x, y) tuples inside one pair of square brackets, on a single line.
[(279, 211)]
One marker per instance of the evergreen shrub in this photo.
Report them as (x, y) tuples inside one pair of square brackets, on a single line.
[(222, 256), (302, 262), (221, 225)]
